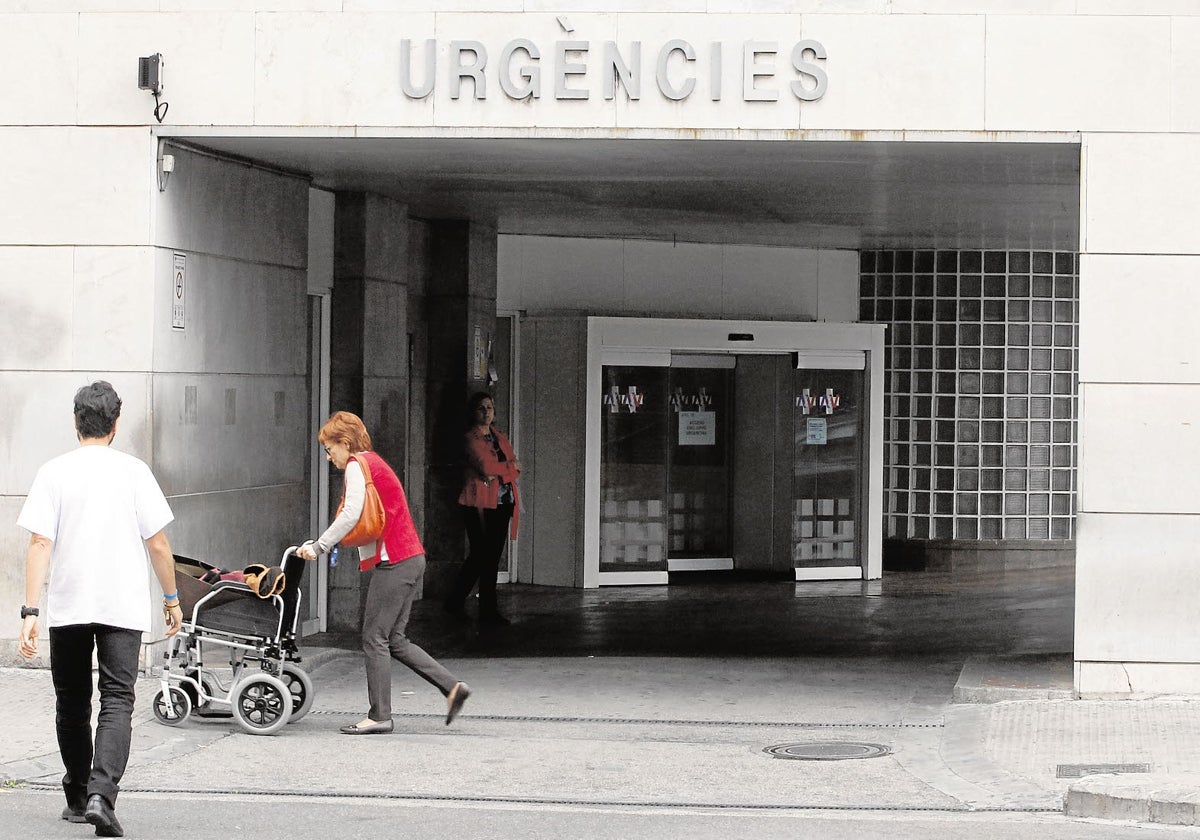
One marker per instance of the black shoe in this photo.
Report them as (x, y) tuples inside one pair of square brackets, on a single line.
[(457, 696), (100, 814), (73, 815), (456, 610), (381, 727), (494, 620)]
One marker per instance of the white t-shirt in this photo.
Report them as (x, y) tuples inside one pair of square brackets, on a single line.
[(98, 505)]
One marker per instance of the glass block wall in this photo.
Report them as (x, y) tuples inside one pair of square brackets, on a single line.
[(980, 396)]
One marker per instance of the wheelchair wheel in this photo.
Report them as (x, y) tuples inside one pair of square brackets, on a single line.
[(173, 708), (301, 687), (262, 704)]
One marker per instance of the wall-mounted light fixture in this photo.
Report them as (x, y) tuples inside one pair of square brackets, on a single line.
[(150, 77), (166, 165)]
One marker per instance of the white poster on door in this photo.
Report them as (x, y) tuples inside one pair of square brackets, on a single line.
[(697, 428)]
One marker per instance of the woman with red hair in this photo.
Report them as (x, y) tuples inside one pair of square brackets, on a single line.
[(396, 563)]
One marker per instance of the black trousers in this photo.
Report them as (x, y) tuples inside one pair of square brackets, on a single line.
[(487, 534), (93, 768)]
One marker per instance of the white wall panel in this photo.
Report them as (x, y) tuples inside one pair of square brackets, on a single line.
[(52, 6), (1133, 582), (435, 6), (981, 7), (38, 423), (1136, 7), (37, 302), (1138, 450), (837, 294), (549, 274), (38, 66), (881, 77), (250, 5), (115, 309), (104, 198), (1066, 73), (1137, 192), (1185, 70), (200, 89), (770, 282), (699, 110), (1137, 319), (688, 275), (797, 6), (339, 69), (584, 274)]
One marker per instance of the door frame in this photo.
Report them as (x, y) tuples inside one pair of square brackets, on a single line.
[(651, 341)]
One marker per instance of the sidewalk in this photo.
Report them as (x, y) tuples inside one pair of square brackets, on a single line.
[(676, 731)]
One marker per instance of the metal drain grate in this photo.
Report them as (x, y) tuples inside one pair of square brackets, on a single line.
[(827, 750), (1078, 771)]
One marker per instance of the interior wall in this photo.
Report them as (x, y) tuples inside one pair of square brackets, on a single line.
[(685, 279), (229, 392)]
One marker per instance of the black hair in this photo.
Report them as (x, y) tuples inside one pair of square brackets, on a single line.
[(473, 402), (97, 408)]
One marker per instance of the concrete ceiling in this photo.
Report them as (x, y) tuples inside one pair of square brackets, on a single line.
[(829, 194)]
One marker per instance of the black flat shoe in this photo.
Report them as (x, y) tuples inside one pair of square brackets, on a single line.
[(494, 620), (458, 695), (379, 728), (100, 814)]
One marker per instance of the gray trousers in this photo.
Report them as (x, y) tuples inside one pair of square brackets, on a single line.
[(389, 601)]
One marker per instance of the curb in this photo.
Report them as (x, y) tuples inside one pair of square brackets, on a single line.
[(1163, 798)]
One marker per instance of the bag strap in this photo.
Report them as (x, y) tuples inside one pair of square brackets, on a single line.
[(366, 471)]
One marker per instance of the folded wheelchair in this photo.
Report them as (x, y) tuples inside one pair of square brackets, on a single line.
[(258, 679)]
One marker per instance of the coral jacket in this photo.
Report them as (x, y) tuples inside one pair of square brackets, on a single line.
[(399, 532), (481, 461)]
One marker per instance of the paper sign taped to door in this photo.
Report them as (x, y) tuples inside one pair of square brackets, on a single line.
[(697, 428), (817, 431)]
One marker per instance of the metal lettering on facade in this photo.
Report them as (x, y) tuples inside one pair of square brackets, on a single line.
[(677, 66)]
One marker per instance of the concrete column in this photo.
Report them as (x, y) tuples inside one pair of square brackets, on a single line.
[(368, 350), (461, 313), (1139, 371)]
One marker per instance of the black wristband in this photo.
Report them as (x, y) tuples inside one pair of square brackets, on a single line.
[(25, 611)]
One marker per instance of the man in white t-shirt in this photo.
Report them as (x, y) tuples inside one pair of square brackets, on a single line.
[(92, 515)]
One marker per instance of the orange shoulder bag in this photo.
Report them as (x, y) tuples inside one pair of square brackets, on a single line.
[(370, 524)]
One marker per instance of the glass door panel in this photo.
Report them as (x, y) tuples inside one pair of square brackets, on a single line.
[(633, 469), (698, 477), (829, 431)]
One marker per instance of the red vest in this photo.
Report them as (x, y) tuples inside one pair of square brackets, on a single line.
[(399, 532)]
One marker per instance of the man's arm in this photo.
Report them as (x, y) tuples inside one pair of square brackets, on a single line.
[(37, 563), (163, 561)]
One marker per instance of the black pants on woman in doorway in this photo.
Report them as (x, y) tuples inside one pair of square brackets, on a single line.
[(487, 533)]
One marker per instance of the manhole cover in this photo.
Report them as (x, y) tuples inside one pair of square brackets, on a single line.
[(827, 750)]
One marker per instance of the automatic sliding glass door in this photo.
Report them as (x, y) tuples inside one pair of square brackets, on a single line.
[(664, 467)]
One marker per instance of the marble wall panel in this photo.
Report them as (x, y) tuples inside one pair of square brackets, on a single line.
[(1134, 575), (39, 65), (198, 89), (1047, 73), (1138, 449), (880, 78), (1136, 189), (105, 176), (1135, 319)]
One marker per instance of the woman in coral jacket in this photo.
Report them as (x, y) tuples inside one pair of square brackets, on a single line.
[(490, 503)]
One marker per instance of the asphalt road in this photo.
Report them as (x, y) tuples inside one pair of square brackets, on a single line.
[(34, 815)]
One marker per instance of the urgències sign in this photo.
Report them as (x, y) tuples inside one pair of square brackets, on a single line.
[(578, 69)]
